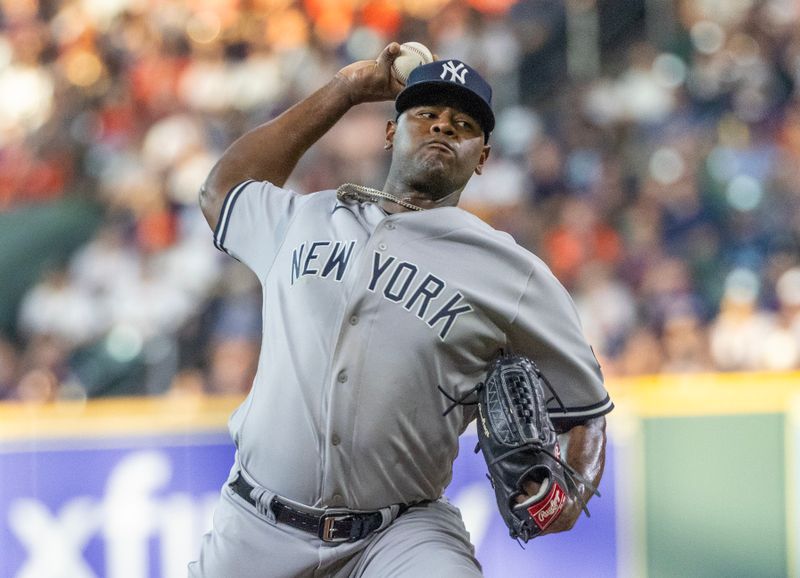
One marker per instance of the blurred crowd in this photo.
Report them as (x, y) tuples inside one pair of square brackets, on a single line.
[(652, 160)]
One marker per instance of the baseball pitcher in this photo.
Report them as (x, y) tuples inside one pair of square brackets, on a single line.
[(391, 319)]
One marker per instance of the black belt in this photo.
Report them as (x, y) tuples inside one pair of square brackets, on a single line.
[(336, 526)]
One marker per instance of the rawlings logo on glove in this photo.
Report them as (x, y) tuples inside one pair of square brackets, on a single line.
[(546, 511)]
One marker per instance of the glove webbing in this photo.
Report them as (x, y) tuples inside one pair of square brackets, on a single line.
[(477, 388)]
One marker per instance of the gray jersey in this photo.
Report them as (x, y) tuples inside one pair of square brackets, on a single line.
[(364, 315)]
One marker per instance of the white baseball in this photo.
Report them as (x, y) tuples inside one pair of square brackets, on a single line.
[(412, 54)]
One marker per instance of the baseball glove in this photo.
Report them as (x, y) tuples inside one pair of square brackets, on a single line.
[(520, 444)]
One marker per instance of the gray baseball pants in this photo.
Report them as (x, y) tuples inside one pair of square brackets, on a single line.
[(428, 539)]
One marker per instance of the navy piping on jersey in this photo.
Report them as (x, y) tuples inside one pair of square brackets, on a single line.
[(225, 215), (340, 205), (594, 410), (579, 415)]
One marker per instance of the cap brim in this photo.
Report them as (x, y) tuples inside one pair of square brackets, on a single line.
[(433, 91)]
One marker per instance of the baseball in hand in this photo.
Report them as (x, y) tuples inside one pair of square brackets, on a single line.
[(412, 54)]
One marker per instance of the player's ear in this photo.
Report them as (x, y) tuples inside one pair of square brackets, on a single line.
[(391, 129), (482, 160)]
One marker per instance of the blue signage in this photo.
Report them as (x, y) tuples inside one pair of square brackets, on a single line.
[(136, 507)]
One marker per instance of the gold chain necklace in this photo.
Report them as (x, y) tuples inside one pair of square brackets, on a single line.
[(360, 193)]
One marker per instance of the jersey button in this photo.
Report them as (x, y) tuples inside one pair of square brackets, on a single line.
[(382, 246), (335, 440), (354, 320), (342, 377), (390, 226)]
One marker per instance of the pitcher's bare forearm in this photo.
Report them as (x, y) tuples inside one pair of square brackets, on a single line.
[(271, 151), (586, 453)]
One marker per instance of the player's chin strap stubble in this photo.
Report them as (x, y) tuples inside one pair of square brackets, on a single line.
[(360, 193)]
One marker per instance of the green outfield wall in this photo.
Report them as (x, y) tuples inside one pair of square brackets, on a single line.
[(713, 462)]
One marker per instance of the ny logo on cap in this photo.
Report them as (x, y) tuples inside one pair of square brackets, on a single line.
[(457, 73)]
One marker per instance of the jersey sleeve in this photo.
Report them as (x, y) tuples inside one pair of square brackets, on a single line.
[(253, 223), (547, 329)]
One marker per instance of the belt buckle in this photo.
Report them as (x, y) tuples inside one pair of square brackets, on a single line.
[(327, 527)]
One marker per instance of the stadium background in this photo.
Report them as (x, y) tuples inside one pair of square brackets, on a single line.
[(647, 150)]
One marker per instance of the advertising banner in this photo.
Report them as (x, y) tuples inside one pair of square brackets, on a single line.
[(115, 508), (136, 507)]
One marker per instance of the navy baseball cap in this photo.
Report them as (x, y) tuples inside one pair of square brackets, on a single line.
[(449, 80)]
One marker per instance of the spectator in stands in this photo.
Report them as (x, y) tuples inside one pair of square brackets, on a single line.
[(644, 179), (739, 336)]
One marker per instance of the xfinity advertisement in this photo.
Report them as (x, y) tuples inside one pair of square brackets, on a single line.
[(137, 508)]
